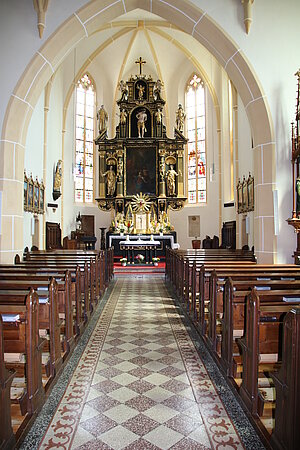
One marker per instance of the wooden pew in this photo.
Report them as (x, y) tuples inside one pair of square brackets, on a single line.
[(48, 320), (287, 384), (45, 273), (262, 337), (21, 335), (7, 438), (41, 284), (234, 300)]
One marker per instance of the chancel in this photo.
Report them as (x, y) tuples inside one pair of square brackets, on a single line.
[(156, 303)]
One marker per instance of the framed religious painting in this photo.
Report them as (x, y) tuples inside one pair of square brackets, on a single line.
[(140, 171), (250, 189), (25, 192), (239, 196), (30, 195), (42, 198), (36, 196), (245, 195)]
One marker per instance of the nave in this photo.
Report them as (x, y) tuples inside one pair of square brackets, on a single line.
[(136, 381)]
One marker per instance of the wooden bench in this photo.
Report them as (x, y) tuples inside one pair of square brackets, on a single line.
[(48, 320), (287, 384), (7, 438), (21, 336), (65, 298), (262, 336)]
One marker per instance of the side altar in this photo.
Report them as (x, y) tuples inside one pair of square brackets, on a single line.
[(141, 170)]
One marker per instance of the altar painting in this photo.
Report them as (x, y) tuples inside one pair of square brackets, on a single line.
[(140, 170)]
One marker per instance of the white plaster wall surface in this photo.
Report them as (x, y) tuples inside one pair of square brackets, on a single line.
[(33, 161)]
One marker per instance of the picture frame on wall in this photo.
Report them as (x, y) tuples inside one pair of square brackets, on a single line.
[(239, 196), (250, 190), (42, 198), (30, 195), (25, 192), (36, 196), (245, 195)]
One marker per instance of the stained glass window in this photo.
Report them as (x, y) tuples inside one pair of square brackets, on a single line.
[(196, 133), (84, 134)]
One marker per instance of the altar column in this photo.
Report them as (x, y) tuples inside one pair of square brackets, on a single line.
[(180, 173), (102, 169), (162, 173), (120, 170)]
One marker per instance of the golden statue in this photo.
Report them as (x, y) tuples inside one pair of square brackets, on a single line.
[(171, 181), (110, 181), (58, 176), (180, 116), (141, 91), (102, 116)]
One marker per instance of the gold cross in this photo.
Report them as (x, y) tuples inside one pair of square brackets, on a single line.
[(140, 62)]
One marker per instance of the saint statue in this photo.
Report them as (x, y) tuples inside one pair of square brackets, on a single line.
[(123, 116), (102, 116), (124, 90), (142, 119), (157, 89), (158, 116), (171, 181), (58, 176), (110, 181), (180, 116), (141, 90)]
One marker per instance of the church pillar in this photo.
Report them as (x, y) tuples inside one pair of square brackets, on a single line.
[(102, 168), (180, 173)]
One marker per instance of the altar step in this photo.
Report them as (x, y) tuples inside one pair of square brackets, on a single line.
[(139, 268)]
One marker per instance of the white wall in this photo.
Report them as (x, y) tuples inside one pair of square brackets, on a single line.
[(33, 164)]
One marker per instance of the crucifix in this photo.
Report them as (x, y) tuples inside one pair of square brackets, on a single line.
[(140, 62)]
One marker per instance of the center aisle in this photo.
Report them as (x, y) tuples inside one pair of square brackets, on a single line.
[(140, 383)]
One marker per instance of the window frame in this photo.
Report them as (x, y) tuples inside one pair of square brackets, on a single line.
[(83, 201), (188, 87)]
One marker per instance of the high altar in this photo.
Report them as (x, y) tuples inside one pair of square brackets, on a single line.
[(141, 169)]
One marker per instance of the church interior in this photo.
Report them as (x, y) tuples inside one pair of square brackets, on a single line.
[(150, 224)]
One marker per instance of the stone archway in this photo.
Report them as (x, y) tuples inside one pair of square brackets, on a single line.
[(193, 21)]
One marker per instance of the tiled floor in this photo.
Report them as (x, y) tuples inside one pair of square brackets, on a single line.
[(140, 383)]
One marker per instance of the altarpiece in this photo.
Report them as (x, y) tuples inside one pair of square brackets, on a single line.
[(141, 169)]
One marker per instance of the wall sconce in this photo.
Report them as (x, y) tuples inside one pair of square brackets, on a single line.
[(54, 206)]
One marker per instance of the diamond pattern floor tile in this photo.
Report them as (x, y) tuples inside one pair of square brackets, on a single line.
[(141, 395)]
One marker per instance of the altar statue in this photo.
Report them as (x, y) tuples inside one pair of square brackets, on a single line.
[(141, 90), (110, 181), (102, 116), (142, 119), (171, 180), (180, 116)]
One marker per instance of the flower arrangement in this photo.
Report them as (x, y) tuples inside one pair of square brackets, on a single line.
[(123, 261), (140, 258), (155, 261)]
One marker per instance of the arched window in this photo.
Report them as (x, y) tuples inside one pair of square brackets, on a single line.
[(195, 114), (84, 126)]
